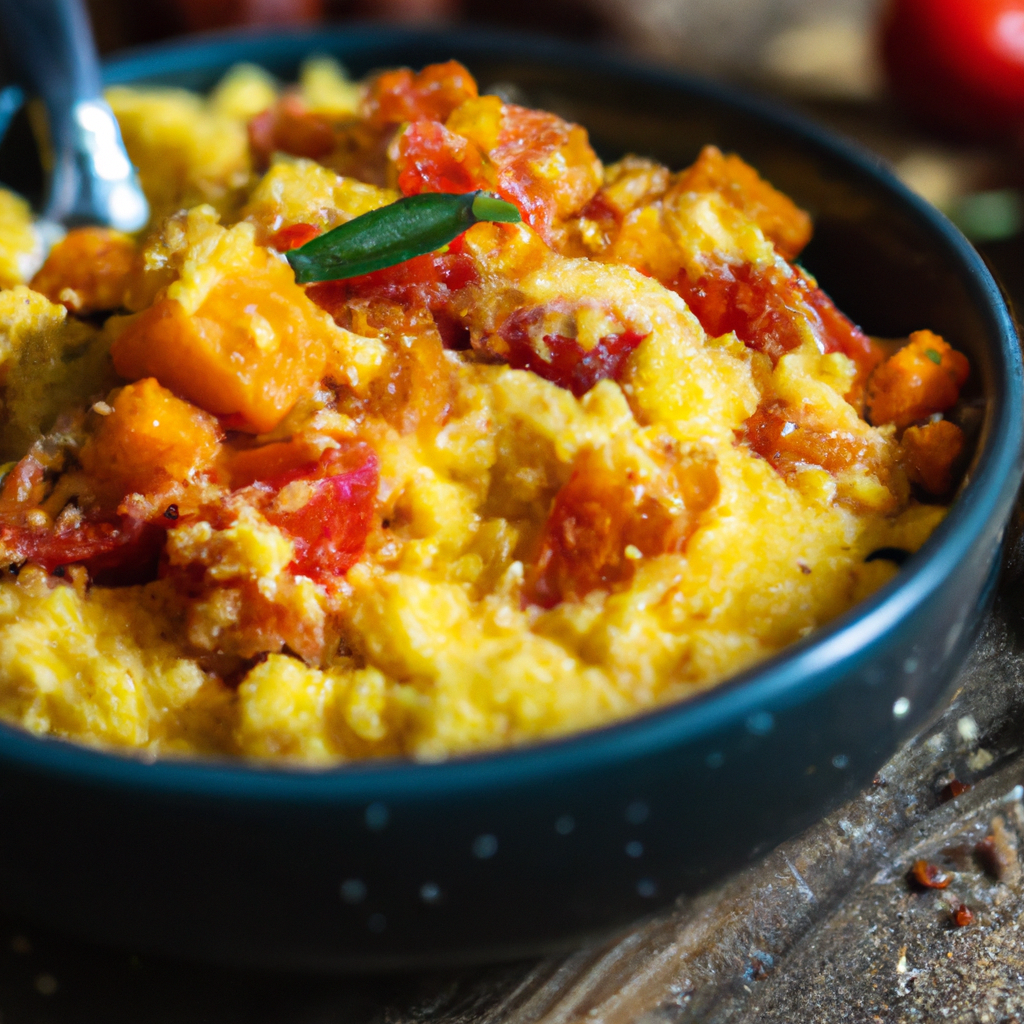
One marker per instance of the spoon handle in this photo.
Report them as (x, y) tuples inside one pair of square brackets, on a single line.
[(92, 181)]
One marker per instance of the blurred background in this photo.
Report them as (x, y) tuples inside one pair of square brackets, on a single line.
[(822, 55), (824, 44)]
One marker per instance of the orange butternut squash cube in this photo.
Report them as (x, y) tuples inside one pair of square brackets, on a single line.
[(922, 378), (929, 454), (150, 440), (785, 225), (253, 346), (88, 270)]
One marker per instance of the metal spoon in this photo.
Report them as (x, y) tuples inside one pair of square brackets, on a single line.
[(91, 179)]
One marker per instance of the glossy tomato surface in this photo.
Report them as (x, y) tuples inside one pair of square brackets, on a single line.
[(958, 64)]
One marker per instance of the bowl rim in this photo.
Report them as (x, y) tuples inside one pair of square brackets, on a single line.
[(801, 668)]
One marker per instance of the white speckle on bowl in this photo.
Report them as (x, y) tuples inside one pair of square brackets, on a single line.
[(377, 923), (430, 892), (953, 635), (968, 729), (637, 812), (873, 676), (900, 708), (353, 890), (565, 824), (910, 666), (840, 761), (377, 816), (485, 846), (634, 849), (646, 888), (761, 723)]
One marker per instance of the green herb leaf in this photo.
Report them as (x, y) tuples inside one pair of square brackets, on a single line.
[(395, 233), (933, 356)]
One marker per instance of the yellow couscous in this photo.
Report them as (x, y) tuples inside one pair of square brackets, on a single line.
[(551, 475)]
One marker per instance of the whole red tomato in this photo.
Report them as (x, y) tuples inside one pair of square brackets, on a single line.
[(958, 64)]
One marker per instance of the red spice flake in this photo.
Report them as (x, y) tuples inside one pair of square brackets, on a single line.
[(929, 876), (963, 916), (294, 236), (952, 790)]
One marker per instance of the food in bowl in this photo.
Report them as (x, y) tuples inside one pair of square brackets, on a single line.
[(548, 476)]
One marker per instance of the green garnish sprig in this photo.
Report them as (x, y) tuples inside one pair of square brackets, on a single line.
[(395, 233)]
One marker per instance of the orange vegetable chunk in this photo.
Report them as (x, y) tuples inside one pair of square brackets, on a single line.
[(272, 460), (253, 346), (404, 95), (88, 270), (923, 377), (782, 221), (151, 439), (929, 454), (603, 521)]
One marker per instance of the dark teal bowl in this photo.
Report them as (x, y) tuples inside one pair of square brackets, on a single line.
[(387, 864)]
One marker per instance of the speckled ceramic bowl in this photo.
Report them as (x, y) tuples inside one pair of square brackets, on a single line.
[(385, 864)]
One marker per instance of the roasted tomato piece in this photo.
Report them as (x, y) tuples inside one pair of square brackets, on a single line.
[(922, 378), (769, 310), (604, 520), (404, 95), (88, 270), (424, 282), (544, 165), (327, 508), (293, 237), (433, 159), (930, 452), (116, 552), (787, 445), (288, 127), (561, 359)]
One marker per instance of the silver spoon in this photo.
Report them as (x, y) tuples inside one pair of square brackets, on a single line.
[(91, 180)]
